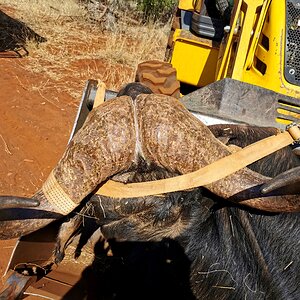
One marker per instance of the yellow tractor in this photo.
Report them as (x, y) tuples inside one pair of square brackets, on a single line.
[(240, 57)]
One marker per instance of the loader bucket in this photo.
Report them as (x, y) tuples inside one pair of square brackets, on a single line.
[(240, 102)]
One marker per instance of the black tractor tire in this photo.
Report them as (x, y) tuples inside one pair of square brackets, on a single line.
[(160, 77)]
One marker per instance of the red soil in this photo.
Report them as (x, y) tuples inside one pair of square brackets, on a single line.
[(34, 131), (37, 114)]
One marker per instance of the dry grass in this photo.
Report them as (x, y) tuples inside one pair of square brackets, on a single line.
[(77, 50)]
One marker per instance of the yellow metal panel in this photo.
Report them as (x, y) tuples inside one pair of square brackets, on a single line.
[(227, 44), (248, 9), (194, 61), (186, 4), (273, 31), (269, 53)]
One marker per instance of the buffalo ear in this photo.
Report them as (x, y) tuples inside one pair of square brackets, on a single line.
[(284, 180), (16, 202)]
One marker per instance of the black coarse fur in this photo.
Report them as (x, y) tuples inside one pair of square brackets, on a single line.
[(14, 34), (232, 253), (242, 254), (191, 245), (134, 89)]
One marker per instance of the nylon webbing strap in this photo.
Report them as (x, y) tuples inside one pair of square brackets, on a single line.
[(57, 196), (206, 175)]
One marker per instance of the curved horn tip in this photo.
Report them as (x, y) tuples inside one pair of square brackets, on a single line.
[(17, 202), (266, 189)]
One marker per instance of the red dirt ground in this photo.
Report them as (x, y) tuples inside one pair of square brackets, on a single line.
[(37, 114), (34, 131)]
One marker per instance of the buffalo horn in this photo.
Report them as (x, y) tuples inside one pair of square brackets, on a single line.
[(156, 128), (286, 178), (173, 138), (104, 146), (15, 202)]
